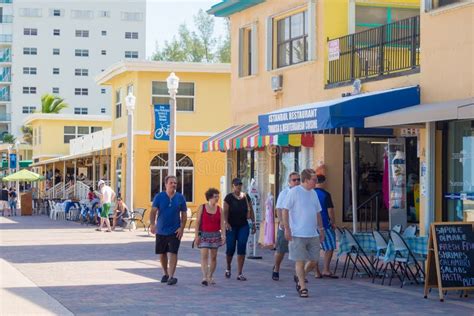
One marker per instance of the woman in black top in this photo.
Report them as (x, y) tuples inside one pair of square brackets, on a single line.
[(237, 210)]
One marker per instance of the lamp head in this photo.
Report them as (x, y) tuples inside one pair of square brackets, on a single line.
[(130, 101), (173, 83)]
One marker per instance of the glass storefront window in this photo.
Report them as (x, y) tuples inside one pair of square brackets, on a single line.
[(459, 193), (288, 161), (246, 167)]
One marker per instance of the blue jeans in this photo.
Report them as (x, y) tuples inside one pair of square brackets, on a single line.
[(238, 235), (12, 205)]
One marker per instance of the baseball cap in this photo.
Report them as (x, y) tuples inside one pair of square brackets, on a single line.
[(100, 183), (236, 181)]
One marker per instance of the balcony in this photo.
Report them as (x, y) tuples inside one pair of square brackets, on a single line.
[(6, 19), (5, 117), (5, 56), (5, 94), (385, 51), (5, 38), (6, 1)]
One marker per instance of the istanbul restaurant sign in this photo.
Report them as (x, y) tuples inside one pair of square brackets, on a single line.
[(289, 122)]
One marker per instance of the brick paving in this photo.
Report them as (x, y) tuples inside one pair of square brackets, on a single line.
[(88, 272)]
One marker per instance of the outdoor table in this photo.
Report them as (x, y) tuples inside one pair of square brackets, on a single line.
[(417, 245), (365, 240)]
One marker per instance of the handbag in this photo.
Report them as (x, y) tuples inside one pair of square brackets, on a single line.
[(200, 226)]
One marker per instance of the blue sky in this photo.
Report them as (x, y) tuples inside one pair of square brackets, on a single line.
[(165, 16)]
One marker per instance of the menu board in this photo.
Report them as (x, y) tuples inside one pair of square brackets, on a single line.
[(451, 257)]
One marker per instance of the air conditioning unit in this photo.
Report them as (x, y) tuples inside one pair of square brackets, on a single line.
[(277, 83)]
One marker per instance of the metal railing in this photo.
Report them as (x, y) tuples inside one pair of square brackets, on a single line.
[(6, 18), (5, 56), (368, 213), (5, 94), (6, 1), (380, 51), (5, 117), (6, 38)]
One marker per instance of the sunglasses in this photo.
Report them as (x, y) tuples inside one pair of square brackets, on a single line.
[(297, 179)]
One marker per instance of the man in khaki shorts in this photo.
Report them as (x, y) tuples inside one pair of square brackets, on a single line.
[(301, 219)]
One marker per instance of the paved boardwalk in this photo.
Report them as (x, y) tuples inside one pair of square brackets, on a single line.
[(52, 267)]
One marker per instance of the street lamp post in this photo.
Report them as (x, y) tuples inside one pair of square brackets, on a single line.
[(17, 146), (173, 84), (130, 102)]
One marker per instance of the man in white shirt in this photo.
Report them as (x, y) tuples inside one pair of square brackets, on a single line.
[(281, 242), (107, 195), (302, 219)]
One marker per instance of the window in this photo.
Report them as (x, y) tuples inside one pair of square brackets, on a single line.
[(292, 39), (184, 98), (56, 51), (82, 33), (131, 54), (131, 35), (103, 91), (55, 90), (56, 32), (369, 17), (102, 110), (82, 111), (247, 51), (441, 3), (184, 175), (30, 51), (28, 109), (103, 33), (30, 12), (104, 14), (57, 12), (81, 91), (82, 14), (69, 133), (132, 16), (81, 52), (29, 31), (29, 90), (118, 104), (81, 72), (55, 71), (103, 52), (96, 129), (29, 70)]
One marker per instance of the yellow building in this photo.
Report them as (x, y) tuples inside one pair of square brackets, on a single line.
[(202, 110), (280, 59)]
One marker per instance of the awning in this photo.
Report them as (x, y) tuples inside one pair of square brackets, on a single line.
[(418, 114), (247, 136), (342, 112), (23, 163)]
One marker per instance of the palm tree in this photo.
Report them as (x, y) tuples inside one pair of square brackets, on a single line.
[(52, 104), (27, 134), (8, 139)]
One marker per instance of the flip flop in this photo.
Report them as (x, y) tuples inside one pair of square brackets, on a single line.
[(275, 275), (331, 276)]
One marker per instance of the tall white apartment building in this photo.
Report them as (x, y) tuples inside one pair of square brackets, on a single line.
[(58, 47)]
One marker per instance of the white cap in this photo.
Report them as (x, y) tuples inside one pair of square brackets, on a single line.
[(100, 183)]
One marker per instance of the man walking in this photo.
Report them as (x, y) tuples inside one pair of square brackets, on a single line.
[(301, 219), (4, 200), (281, 242), (327, 215), (168, 219), (107, 195)]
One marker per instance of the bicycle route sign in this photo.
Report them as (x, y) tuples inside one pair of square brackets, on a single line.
[(162, 122)]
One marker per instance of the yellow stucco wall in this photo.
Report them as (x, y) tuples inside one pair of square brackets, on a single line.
[(52, 135)]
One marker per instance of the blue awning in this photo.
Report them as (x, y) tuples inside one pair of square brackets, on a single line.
[(343, 112)]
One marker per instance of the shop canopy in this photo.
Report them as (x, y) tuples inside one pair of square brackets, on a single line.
[(247, 136), (419, 114), (337, 113), (23, 163)]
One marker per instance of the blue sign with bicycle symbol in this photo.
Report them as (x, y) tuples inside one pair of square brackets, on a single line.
[(162, 122)]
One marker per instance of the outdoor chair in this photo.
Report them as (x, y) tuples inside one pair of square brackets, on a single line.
[(60, 214), (355, 255), (191, 217), (397, 228), (339, 234), (138, 215), (381, 245), (410, 231), (404, 257)]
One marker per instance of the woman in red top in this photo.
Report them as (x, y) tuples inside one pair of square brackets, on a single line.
[(210, 234)]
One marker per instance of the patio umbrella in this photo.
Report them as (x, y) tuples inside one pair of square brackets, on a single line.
[(23, 175)]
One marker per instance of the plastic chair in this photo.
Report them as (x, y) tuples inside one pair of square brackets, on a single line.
[(410, 231), (60, 213), (404, 257), (381, 245), (397, 228)]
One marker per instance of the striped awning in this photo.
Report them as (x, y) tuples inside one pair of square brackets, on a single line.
[(247, 137)]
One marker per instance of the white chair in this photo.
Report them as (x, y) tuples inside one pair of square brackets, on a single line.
[(397, 228), (339, 234), (381, 245), (52, 209), (410, 231), (60, 213)]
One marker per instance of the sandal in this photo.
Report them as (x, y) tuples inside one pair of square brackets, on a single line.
[(275, 275), (212, 282), (227, 274), (331, 276), (295, 278), (204, 283), (241, 278), (303, 293)]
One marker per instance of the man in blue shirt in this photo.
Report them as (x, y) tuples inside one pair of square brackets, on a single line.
[(168, 219)]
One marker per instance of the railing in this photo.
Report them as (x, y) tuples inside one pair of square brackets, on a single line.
[(5, 56), (5, 1), (5, 75), (379, 51), (6, 18), (368, 213), (5, 117), (5, 94), (6, 38)]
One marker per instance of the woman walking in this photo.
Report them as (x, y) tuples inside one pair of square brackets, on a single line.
[(12, 200), (210, 228), (237, 210)]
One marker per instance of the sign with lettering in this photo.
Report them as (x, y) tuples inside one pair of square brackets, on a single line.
[(297, 121), (451, 257), (162, 122), (333, 50)]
